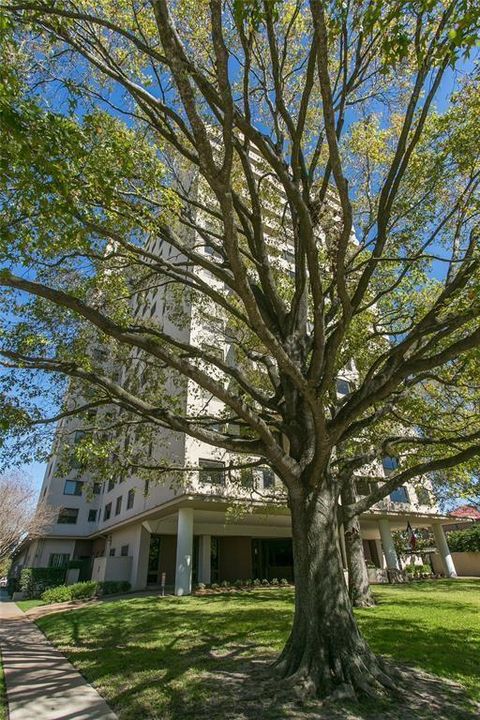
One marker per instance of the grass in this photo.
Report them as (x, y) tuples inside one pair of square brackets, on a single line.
[(150, 656), (27, 604)]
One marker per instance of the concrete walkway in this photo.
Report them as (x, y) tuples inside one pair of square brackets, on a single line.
[(41, 683)]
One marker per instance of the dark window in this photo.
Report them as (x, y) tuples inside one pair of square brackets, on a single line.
[(79, 435), (68, 516), (73, 487), (118, 505), (58, 560), (389, 464), (124, 551), (92, 515), (399, 495), (423, 496), (97, 488), (107, 511), (363, 487), (112, 552), (130, 499), (267, 477), (146, 488), (212, 471), (111, 485), (343, 387)]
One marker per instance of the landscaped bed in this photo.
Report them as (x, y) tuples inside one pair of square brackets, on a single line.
[(207, 657)]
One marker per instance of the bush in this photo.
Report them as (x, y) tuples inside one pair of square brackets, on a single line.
[(274, 581), (110, 587), (257, 582), (410, 569), (284, 581), (214, 586), (265, 581), (238, 583), (33, 581), (425, 569), (225, 584), (465, 540), (84, 590)]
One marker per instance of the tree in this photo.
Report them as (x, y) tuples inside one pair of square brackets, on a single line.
[(19, 514), (309, 124)]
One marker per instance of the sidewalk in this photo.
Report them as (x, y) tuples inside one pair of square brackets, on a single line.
[(41, 683)]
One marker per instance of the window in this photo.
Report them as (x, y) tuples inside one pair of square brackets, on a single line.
[(118, 505), (92, 515), (72, 487), (400, 495), (111, 485), (212, 471), (267, 477), (423, 496), (124, 551), (363, 487), (68, 516), (343, 387), (112, 552), (79, 435), (107, 511), (58, 560), (146, 488), (97, 488), (389, 464), (130, 499)]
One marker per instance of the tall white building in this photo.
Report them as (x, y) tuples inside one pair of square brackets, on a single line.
[(186, 533)]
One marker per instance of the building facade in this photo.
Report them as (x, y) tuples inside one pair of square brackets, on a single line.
[(178, 534)]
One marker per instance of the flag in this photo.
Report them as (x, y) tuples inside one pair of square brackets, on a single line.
[(412, 538)]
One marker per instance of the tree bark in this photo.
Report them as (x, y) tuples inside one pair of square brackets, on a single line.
[(325, 654), (358, 585)]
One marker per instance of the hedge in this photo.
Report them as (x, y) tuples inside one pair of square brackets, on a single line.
[(84, 590), (33, 581), (465, 540)]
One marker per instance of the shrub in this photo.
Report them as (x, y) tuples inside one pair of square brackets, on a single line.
[(201, 586), (62, 593), (410, 569), (265, 581), (214, 586), (84, 590), (425, 569), (110, 587), (225, 584), (465, 540), (274, 581), (238, 583), (257, 582), (284, 581), (33, 581)]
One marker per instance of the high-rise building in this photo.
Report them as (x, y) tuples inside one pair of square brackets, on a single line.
[(145, 532)]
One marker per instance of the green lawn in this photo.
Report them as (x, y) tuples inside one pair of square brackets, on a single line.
[(167, 657), (27, 604)]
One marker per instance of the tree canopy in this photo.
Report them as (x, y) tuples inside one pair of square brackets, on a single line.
[(316, 184)]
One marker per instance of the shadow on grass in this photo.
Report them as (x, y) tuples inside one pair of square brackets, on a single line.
[(209, 657)]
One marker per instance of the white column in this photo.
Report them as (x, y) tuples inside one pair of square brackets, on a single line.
[(381, 557), (388, 545), (183, 568), (205, 559), (140, 551), (444, 550)]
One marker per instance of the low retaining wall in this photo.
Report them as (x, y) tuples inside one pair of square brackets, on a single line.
[(466, 563)]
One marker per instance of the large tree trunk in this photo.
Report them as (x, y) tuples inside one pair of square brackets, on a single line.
[(325, 653), (358, 585)]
